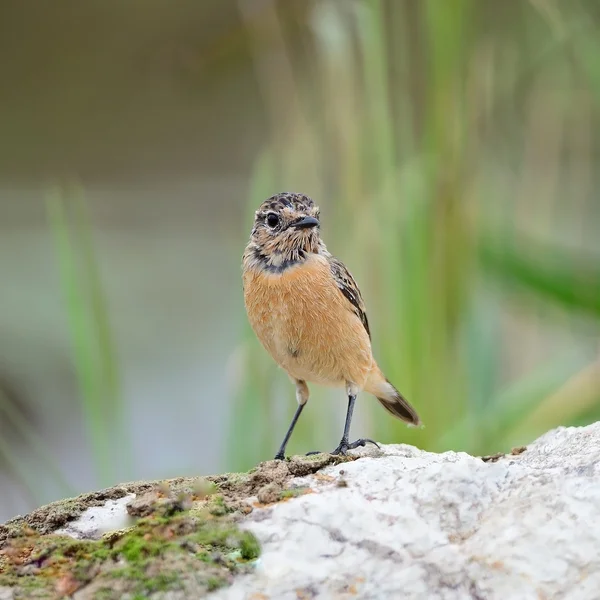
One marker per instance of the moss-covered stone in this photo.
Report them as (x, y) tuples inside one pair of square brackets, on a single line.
[(55, 515), (185, 535), (158, 553), (249, 546), (293, 492), (218, 507)]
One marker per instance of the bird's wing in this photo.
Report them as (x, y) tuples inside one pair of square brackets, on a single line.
[(348, 287)]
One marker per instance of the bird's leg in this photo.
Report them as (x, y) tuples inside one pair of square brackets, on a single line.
[(302, 397), (344, 445)]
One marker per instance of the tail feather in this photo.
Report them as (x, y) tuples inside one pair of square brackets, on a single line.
[(391, 399), (400, 408)]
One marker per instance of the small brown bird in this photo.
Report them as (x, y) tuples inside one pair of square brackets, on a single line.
[(308, 313)]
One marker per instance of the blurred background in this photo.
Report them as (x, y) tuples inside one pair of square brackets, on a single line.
[(453, 147)]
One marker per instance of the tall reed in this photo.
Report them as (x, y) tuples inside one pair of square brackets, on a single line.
[(420, 129)]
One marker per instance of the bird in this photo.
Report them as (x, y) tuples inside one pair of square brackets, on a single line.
[(308, 313)]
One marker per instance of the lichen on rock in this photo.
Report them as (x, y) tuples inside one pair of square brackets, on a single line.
[(395, 522), (182, 535), (171, 547)]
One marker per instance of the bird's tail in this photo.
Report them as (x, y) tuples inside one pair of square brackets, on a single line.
[(391, 399)]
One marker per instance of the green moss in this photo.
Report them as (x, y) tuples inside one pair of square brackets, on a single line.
[(187, 535), (249, 546), (108, 593), (141, 584), (158, 553), (135, 547), (214, 583), (293, 492), (218, 507), (203, 488)]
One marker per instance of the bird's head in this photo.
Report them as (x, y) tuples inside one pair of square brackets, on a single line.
[(286, 229)]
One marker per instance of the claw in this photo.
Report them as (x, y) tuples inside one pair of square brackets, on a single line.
[(345, 446), (362, 442)]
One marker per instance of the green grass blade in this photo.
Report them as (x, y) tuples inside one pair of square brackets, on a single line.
[(90, 345), (548, 272)]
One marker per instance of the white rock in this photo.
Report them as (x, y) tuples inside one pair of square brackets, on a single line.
[(411, 524), (98, 520), (6, 593)]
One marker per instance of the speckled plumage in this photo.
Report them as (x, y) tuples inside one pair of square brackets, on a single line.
[(306, 308)]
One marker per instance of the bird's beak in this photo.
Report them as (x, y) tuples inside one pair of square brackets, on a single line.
[(305, 223)]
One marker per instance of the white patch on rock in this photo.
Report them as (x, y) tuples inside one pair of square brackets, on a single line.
[(6, 593), (411, 524), (95, 521)]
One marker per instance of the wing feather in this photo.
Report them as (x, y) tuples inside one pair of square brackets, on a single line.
[(348, 287)]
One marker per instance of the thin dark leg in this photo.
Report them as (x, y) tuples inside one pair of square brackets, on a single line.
[(349, 413), (281, 454), (344, 445)]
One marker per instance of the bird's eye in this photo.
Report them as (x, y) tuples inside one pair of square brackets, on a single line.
[(272, 220)]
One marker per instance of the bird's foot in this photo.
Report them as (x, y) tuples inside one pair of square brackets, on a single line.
[(279, 456), (344, 446)]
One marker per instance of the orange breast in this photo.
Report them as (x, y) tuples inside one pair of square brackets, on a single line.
[(307, 325)]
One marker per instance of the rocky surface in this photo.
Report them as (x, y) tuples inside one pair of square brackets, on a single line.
[(398, 522), (416, 525)]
